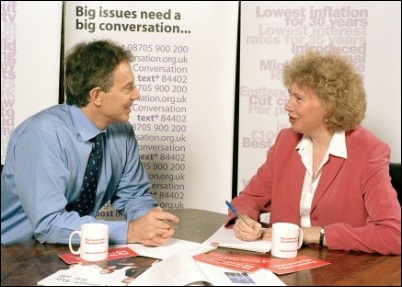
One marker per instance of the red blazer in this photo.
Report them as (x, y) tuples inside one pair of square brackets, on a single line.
[(354, 199)]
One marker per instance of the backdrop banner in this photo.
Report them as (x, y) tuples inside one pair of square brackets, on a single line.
[(273, 32), (185, 65)]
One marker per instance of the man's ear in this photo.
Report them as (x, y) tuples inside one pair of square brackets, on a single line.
[(95, 96)]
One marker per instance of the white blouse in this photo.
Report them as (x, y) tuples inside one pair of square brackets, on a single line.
[(337, 147)]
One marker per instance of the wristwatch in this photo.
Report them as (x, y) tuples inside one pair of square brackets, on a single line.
[(322, 233)]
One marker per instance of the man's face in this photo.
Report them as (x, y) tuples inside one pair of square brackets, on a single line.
[(117, 102)]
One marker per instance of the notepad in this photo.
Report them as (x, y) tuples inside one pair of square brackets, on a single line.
[(225, 237)]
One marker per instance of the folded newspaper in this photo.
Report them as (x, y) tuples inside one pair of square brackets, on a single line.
[(182, 270), (119, 272), (123, 264)]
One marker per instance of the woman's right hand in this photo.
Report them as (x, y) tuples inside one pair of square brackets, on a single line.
[(249, 230)]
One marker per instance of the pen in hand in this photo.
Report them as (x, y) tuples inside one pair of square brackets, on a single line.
[(232, 208)]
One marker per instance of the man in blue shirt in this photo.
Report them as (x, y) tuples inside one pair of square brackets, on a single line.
[(48, 153)]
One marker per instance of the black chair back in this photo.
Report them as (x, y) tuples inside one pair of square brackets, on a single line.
[(395, 173)]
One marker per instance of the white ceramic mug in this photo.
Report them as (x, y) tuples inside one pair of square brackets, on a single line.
[(287, 238), (94, 242)]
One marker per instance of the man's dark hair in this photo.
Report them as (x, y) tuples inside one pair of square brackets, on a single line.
[(90, 65)]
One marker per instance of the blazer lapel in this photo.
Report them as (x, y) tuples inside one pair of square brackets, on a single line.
[(328, 175)]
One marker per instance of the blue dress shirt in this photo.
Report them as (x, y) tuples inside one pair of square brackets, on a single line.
[(44, 169)]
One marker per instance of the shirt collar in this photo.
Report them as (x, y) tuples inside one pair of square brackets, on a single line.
[(337, 146), (85, 127)]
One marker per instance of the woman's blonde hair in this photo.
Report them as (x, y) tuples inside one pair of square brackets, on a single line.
[(335, 81)]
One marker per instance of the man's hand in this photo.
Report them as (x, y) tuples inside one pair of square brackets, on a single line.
[(152, 229)]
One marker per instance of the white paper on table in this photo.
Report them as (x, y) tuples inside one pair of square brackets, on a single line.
[(181, 269), (225, 237), (177, 270), (221, 276), (171, 247), (89, 275)]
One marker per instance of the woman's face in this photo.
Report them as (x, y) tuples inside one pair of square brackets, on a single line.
[(306, 112)]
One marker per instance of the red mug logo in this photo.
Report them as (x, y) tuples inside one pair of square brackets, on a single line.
[(289, 239)]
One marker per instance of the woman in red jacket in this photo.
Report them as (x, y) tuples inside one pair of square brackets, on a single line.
[(326, 173)]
